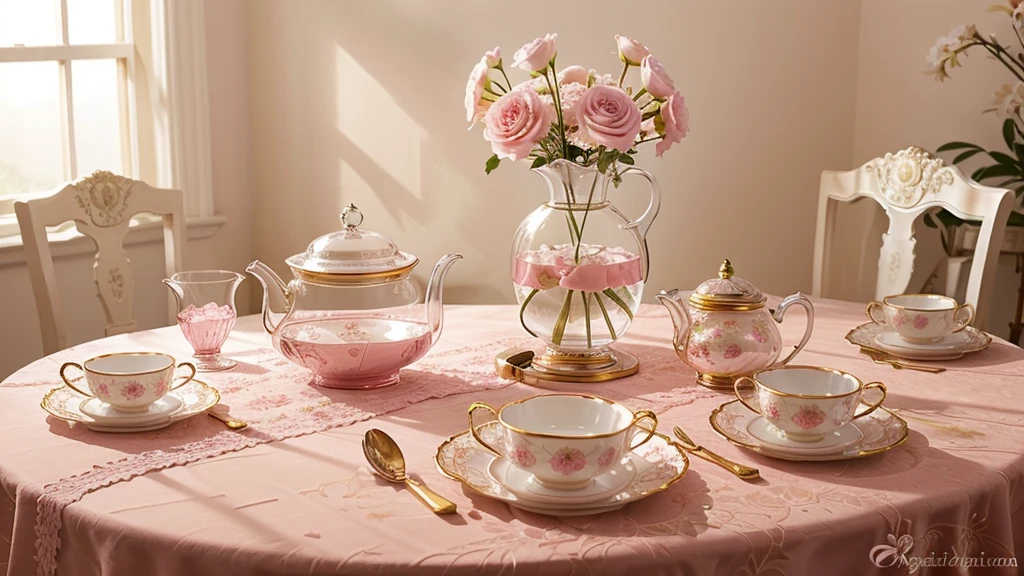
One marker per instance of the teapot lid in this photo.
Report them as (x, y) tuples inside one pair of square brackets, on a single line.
[(352, 255), (727, 293)]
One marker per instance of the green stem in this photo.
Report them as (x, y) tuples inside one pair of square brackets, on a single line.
[(583, 225), (997, 51), (586, 314), (558, 108), (618, 301), (622, 77), (502, 69), (522, 310), (648, 140), (607, 319), (558, 331), (639, 94), (572, 217)]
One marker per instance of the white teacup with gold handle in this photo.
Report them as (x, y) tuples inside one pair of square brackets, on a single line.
[(566, 440), (806, 402), (128, 381), (921, 318)]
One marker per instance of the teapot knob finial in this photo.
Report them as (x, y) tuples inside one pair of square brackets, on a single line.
[(351, 217), (726, 271)]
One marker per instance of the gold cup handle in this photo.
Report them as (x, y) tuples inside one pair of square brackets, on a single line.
[(963, 323), (472, 425), (874, 406), (188, 378), (739, 392), (876, 312), (69, 382), (644, 415)]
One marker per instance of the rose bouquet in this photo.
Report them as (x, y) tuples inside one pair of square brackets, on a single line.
[(1006, 169), (580, 130)]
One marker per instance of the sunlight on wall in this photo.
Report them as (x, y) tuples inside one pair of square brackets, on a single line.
[(373, 121)]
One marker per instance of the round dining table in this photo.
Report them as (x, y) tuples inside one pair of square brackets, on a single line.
[(291, 494)]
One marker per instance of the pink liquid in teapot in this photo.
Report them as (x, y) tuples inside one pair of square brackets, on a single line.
[(355, 352), (206, 327)]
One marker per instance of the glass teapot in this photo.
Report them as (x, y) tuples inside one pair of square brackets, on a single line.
[(723, 330), (351, 314)]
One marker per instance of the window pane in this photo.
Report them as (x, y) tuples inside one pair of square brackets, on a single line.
[(97, 116), (29, 22), (31, 149), (91, 21)]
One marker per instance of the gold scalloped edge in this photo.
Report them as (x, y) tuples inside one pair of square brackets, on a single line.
[(46, 398)]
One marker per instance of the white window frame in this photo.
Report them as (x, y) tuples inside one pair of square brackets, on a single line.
[(165, 45)]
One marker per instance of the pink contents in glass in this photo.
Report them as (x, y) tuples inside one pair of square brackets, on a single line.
[(207, 327)]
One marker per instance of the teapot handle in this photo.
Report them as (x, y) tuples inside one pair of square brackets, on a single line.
[(642, 224), (805, 303)]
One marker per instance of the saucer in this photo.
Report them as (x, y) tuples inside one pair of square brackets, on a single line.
[(64, 403), (107, 415), (952, 347), (526, 487), (657, 465), (881, 430), (772, 437)]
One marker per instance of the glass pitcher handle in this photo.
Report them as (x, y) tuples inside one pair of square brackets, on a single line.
[(642, 224)]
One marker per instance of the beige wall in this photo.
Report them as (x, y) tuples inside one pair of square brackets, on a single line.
[(899, 106), (362, 102), (20, 341)]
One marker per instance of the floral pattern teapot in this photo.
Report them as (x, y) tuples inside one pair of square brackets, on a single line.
[(723, 330)]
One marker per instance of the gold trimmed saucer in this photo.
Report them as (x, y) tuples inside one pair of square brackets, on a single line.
[(882, 431), (518, 364), (64, 403), (659, 463), (868, 336)]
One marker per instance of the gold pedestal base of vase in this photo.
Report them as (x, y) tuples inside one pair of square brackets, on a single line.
[(717, 383), (564, 370)]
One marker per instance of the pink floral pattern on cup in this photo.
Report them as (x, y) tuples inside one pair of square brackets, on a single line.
[(606, 457), (898, 320), (773, 410), (524, 457), (132, 390), (920, 321), (809, 416), (568, 460), (104, 388)]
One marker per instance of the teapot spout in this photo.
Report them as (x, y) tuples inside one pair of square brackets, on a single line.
[(276, 298), (676, 305), (435, 311), (176, 289)]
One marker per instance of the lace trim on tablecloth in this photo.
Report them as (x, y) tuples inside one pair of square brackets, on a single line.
[(293, 408)]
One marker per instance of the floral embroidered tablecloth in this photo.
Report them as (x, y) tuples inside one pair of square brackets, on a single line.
[(196, 498)]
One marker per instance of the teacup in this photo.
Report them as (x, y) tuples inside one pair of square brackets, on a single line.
[(921, 318), (806, 402), (566, 440), (128, 381)]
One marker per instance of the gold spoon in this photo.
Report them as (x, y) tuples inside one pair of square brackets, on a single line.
[(385, 457), (227, 420), (741, 471), (879, 357)]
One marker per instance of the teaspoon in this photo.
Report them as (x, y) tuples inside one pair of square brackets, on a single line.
[(385, 457)]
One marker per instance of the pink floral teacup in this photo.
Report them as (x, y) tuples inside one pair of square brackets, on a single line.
[(566, 440), (128, 381), (921, 318), (806, 402)]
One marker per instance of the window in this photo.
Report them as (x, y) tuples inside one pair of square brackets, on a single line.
[(66, 101)]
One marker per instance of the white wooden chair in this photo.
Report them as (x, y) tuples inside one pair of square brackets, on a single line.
[(101, 205), (906, 184)]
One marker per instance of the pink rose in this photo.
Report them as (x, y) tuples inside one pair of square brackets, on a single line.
[(656, 81), (475, 105), (676, 118), (630, 51), (493, 57), (608, 117), (536, 55), (573, 75), (517, 121)]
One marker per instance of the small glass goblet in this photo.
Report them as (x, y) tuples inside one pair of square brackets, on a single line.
[(206, 313)]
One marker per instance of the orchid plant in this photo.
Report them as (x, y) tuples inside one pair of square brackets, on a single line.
[(580, 116), (1007, 168)]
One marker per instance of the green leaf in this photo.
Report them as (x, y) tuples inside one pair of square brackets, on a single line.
[(1016, 219), (1006, 183), (928, 221), (946, 219), (965, 155), (558, 330), (626, 159), (605, 160), (1008, 133), (538, 162), (956, 146), (1003, 158), (998, 170), (492, 163)]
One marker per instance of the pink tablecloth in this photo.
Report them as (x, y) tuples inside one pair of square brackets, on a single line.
[(308, 505)]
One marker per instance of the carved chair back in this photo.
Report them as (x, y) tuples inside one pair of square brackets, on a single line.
[(101, 206), (906, 184)]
